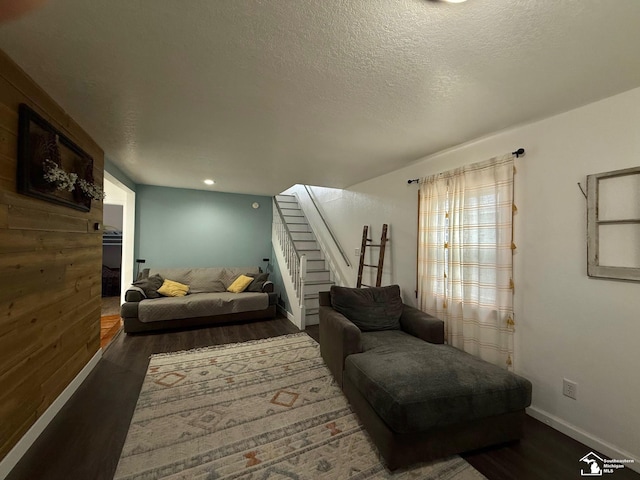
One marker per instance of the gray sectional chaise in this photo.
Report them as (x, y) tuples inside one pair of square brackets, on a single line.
[(418, 398), (207, 302)]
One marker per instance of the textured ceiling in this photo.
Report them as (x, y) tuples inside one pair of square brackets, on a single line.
[(260, 95)]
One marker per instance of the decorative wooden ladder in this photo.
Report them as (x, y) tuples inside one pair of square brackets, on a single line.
[(366, 243)]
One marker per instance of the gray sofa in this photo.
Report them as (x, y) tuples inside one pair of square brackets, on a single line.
[(208, 301), (418, 399)]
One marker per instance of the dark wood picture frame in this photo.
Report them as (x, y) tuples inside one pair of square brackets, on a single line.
[(38, 141)]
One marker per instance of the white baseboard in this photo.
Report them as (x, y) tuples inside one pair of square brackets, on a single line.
[(582, 436), (16, 453), (287, 314)]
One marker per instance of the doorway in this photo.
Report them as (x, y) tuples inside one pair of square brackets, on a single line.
[(117, 254)]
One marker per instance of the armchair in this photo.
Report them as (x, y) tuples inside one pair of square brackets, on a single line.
[(417, 398), (343, 338)]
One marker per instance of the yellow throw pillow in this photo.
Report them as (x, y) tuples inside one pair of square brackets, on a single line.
[(239, 284), (170, 288)]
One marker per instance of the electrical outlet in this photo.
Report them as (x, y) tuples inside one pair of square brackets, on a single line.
[(569, 389), (357, 252)]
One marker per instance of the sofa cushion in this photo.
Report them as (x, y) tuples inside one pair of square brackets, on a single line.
[(258, 281), (413, 390), (150, 285), (389, 341), (370, 309), (229, 274), (200, 305), (200, 280), (171, 288), (204, 279), (240, 284)]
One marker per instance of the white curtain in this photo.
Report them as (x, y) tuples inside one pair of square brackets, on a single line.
[(465, 256)]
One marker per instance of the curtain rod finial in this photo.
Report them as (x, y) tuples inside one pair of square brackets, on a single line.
[(415, 180), (518, 153)]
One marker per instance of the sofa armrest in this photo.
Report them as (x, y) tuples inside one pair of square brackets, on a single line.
[(339, 338), (267, 287), (129, 310), (422, 325), (134, 294)]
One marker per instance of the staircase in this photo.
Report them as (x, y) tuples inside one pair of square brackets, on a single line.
[(301, 253)]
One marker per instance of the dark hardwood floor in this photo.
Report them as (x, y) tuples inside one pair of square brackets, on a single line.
[(84, 441)]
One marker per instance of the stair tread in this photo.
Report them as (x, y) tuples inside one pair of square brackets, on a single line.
[(316, 270), (319, 282), (311, 296)]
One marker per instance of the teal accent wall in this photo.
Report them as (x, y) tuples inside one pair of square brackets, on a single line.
[(114, 170), (177, 227)]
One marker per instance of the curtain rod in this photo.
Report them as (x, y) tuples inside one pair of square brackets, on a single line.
[(517, 153)]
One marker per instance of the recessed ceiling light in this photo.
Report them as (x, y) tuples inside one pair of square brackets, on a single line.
[(208, 181)]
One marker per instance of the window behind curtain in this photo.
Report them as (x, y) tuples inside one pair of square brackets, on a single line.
[(465, 256)]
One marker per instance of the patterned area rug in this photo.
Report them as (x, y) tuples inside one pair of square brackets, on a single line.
[(266, 409)]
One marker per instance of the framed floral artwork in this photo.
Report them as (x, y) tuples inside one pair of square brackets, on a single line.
[(51, 167)]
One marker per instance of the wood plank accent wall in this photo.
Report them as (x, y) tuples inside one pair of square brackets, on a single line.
[(50, 272)]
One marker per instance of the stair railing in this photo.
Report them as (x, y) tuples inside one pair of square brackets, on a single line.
[(303, 275), (296, 264)]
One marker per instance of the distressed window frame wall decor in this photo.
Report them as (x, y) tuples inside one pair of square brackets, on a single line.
[(596, 199), (39, 141)]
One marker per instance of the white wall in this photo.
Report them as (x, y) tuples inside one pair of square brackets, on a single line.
[(567, 325), (112, 216)]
